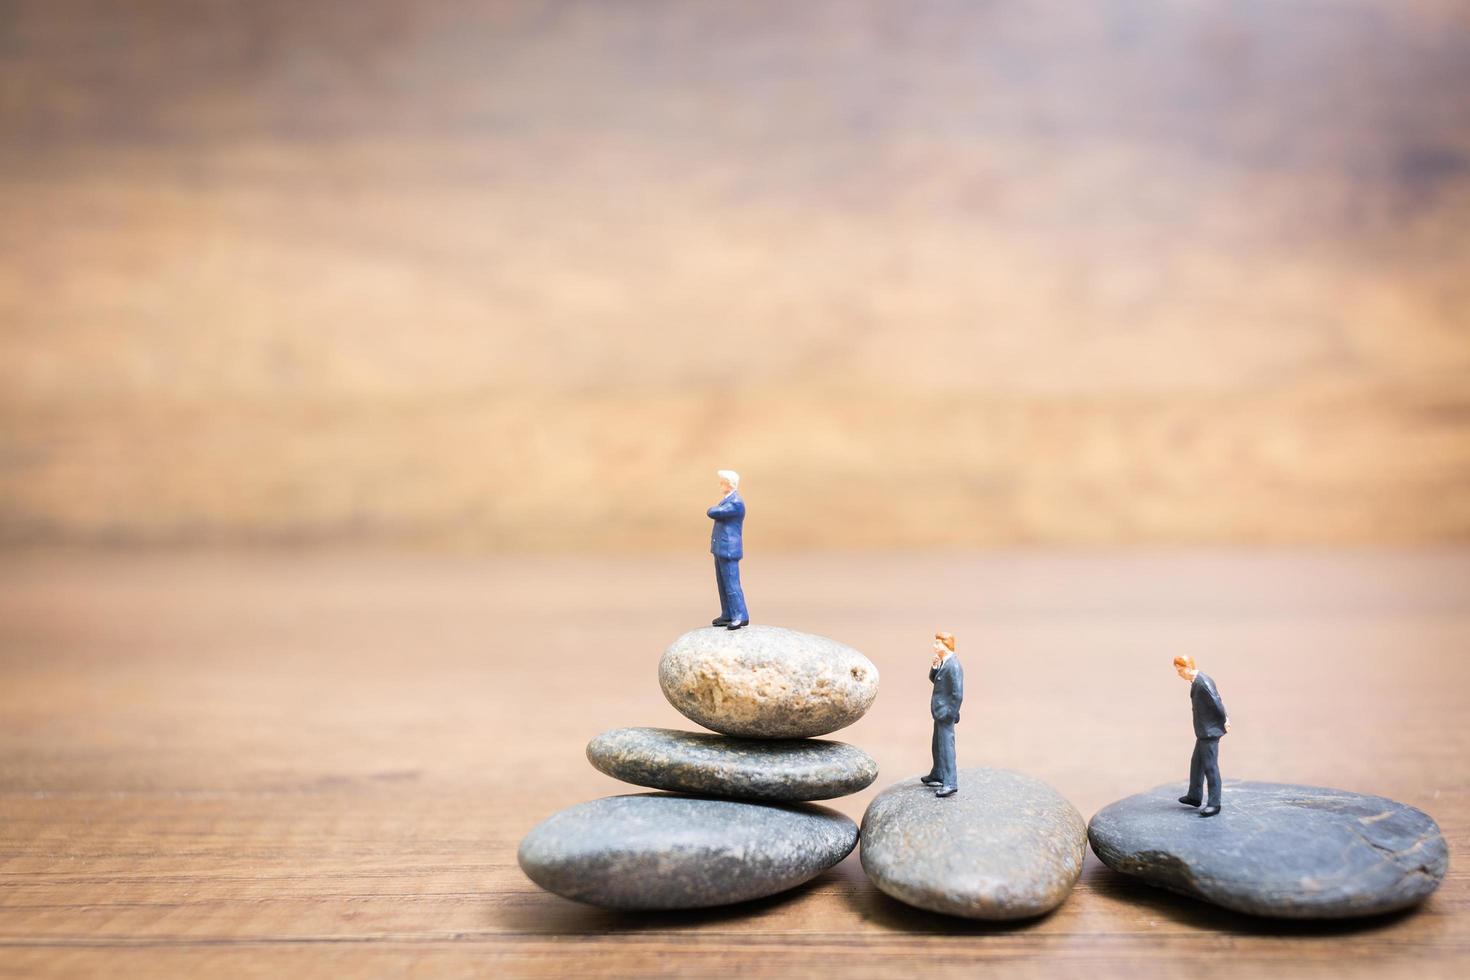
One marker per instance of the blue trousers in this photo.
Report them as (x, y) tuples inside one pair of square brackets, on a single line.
[(942, 750), (1204, 768), (732, 600)]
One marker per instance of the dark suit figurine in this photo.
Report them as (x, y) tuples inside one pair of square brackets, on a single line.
[(1210, 725), (725, 545), (948, 678)]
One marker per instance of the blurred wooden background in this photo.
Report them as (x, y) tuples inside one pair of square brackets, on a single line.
[(522, 275)]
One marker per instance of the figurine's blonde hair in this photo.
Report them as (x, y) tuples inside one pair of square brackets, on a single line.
[(1186, 662), (947, 639), (730, 477)]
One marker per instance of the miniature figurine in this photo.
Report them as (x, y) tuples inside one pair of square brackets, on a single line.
[(1210, 725), (725, 545), (948, 678)]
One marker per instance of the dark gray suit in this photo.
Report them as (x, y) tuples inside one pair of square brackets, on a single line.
[(944, 704), (1209, 728)]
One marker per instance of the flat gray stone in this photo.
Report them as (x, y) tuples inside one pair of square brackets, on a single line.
[(1006, 846), (766, 682), (786, 770), (656, 851), (1295, 852)]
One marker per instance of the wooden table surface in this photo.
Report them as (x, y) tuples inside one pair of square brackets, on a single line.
[(321, 764)]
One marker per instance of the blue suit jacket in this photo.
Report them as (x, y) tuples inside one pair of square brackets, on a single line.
[(949, 690), (724, 539)]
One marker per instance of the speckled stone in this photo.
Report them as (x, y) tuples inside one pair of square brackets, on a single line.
[(657, 851), (1006, 846), (1295, 852), (786, 770), (767, 682)]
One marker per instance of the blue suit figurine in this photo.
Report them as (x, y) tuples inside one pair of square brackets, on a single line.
[(725, 545), (948, 678), (1210, 725)]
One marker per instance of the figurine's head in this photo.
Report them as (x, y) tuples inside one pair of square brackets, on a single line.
[(943, 644), (729, 481), (1185, 667)]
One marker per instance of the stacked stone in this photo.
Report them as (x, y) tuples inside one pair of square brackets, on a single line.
[(735, 822)]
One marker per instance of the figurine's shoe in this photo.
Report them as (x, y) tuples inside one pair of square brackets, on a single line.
[(1189, 801), (946, 791), (930, 780), (722, 621), (736, 626), (1210, 810)]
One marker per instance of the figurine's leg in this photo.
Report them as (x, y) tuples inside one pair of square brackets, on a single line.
[(724, 599), (949, 778), (1210, 757), (933, 776), (1196, 776), (735, 597)]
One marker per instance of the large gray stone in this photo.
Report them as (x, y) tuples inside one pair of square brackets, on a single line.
[(766, 682), (1006, 846), (787, 770), (656, 851), (1297, 852)]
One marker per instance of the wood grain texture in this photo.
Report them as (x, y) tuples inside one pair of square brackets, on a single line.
[(519, 275), (321, 764)]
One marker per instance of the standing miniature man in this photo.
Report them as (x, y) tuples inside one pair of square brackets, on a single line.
[(725, 545), (1210, 725), (948, 678)]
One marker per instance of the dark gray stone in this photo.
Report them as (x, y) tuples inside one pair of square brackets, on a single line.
[(1296, 852), (1006, 846), (766, 682), (782, 770), (656, 851)]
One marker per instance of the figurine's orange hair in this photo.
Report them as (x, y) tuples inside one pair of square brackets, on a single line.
[(1186, 662), (947, 639)]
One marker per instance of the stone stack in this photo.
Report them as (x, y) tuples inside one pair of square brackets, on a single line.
[(736, 822)]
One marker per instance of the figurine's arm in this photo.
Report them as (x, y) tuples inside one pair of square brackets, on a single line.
[(959, 687), (727, 508), (1220, 706)]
